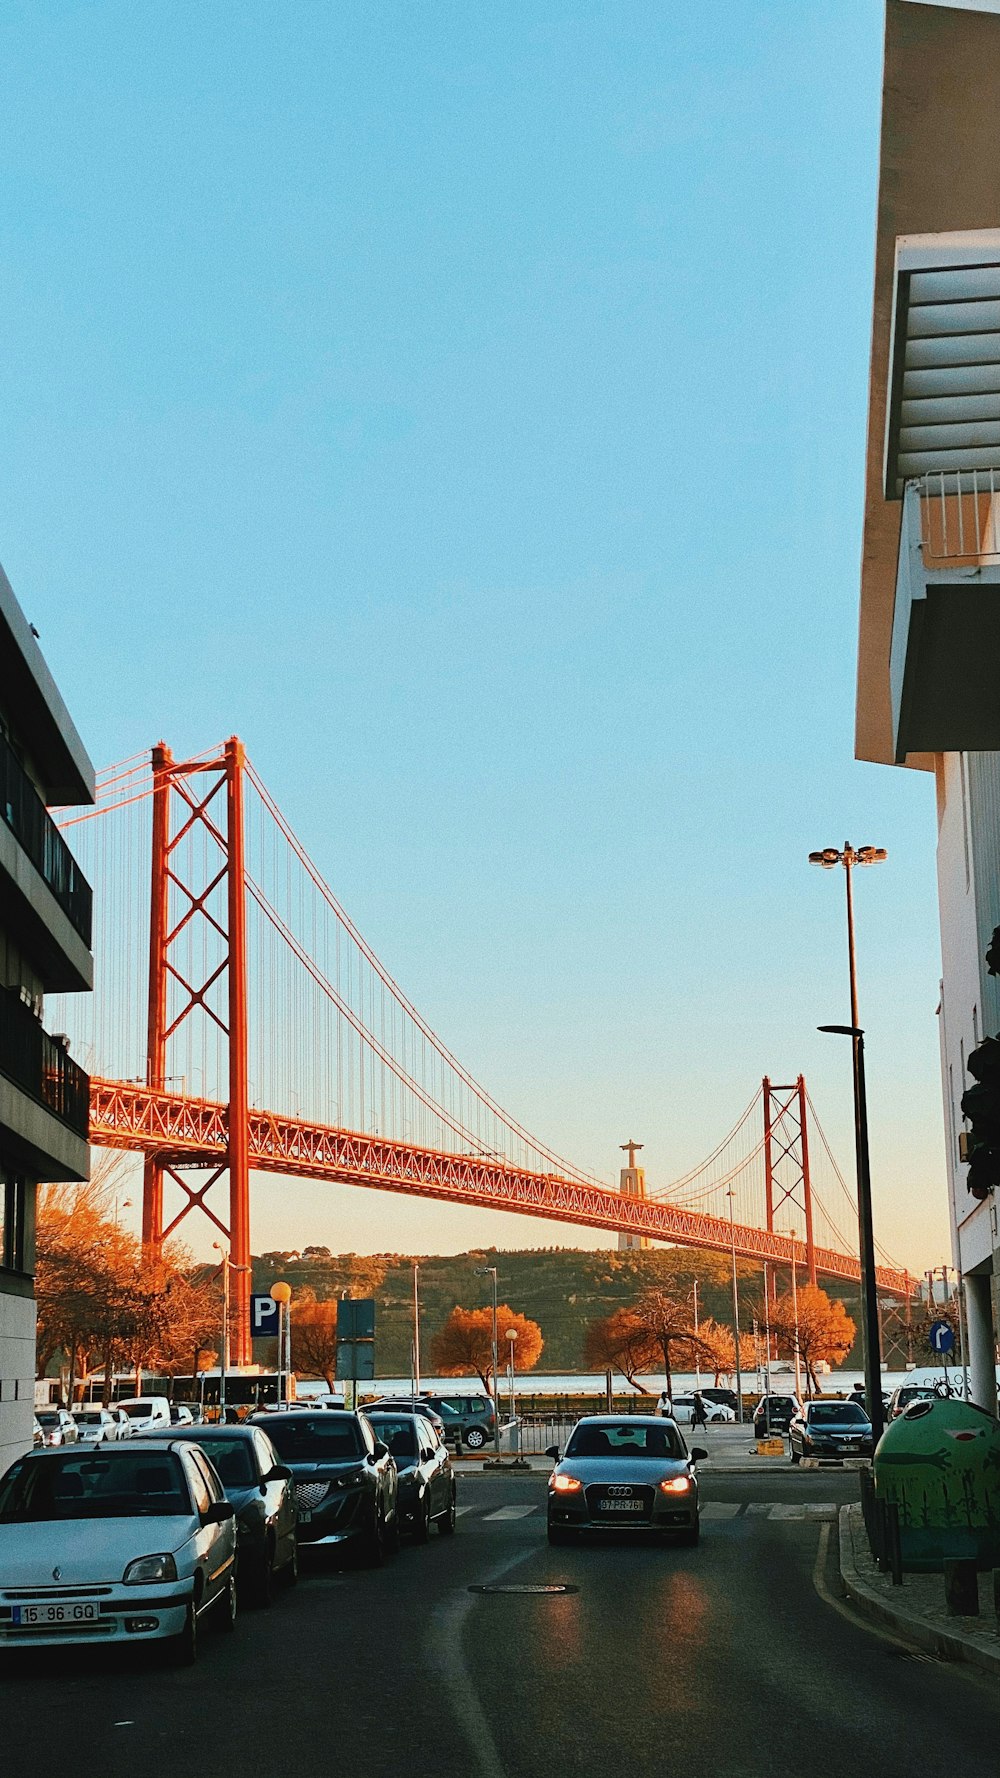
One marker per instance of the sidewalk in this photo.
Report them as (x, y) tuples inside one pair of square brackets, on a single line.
[(917, 1608)]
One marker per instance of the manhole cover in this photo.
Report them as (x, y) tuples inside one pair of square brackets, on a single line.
[(539, 1591)]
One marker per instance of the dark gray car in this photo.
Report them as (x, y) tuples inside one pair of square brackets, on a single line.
[(426, 1479), (624, 1474), (262, 1493), (345, 1480)]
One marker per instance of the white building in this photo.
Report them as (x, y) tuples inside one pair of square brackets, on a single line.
[(45, 919), (929, 648)]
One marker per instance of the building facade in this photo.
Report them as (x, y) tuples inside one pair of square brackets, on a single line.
[(929, 648), (45, 925)]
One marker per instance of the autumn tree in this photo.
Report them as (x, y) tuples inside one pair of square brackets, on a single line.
[(464, 1344), (721, 1349), (668, 1326), (314, 1339), (620, 1342), (824, 1330)]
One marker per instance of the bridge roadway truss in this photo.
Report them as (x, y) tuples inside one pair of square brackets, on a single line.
[(190, 1132)]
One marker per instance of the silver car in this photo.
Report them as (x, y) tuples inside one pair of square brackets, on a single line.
[(633, 1473), (96, 1426)]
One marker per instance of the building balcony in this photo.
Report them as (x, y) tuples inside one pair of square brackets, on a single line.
[(945, 652), (47, 901), (44, 1097)]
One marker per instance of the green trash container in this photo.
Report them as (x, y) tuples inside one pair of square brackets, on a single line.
[(939, 1463)]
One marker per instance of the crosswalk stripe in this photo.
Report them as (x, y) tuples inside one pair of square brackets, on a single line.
[(720, 1509), (510, 1512), (459, 1510)]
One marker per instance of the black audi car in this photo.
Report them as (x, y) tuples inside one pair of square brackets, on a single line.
[(426, 1477), (261, 1490), (345, 1480)]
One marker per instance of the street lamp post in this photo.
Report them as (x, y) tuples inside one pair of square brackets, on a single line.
[(795, 1318), (491, 1272), (736, 1313), (226, 1266), (416, 1329), (511, 1341), (828, 860)]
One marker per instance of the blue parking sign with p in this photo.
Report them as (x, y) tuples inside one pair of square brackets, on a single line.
[(263, 1318)]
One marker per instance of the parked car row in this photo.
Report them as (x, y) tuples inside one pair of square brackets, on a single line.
[(148, 1537)]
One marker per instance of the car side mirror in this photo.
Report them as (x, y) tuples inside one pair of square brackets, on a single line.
[(279, 1472), (553, 1452), (219, 1513), (381, 1450), (697, 1454)]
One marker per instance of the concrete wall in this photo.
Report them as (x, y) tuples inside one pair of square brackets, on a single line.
[(17, 1375)]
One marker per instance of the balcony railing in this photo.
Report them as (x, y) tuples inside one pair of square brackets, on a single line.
[(40, 1066), (960, 517), (32, 825)]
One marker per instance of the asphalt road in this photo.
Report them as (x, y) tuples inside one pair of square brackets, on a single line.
[(724, 1660)]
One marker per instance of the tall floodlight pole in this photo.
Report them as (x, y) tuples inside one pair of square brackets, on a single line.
[(795, 1318), (736, 1313), (491, 1272), (416, 1329), (828, 860)]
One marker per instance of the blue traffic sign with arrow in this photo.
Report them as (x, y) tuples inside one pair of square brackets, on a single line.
[(942, 1337)]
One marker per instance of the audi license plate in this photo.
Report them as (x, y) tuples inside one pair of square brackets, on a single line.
[(54, 1614), (622, 1506)]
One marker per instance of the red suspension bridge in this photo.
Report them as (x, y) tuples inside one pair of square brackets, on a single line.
[(242, 1024)]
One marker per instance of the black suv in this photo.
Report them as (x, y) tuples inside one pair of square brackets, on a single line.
[(344, 1478)]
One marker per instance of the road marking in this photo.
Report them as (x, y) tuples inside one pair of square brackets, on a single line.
[(447, 1661), (509, 1512), (720, 1509), (760, 1507), (459, 1510)]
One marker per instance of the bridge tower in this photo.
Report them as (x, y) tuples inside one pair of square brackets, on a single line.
[(786, 1158), (632, 1182), (198, 972)]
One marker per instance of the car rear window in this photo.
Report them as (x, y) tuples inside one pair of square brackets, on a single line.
[(231, 1458), (625, 1441), (78, 1485), (322, 1438)]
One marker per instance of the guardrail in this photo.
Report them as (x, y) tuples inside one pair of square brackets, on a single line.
[(960, 516), (22, 809)]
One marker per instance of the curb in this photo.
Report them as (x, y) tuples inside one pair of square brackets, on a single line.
[(948, 1644)]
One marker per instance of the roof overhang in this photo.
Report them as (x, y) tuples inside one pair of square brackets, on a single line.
[(30, 695)]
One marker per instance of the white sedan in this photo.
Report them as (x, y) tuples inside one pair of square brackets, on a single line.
[(128, 1542), (96, 1426), (680, 1409)]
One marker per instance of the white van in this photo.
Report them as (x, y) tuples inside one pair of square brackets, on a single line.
[(146, 1413)]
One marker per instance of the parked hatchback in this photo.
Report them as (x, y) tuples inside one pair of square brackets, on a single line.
[(261, 1490), (426, 1479), (127, 1543), (468, 1420), (58, 1427), (774, 1413), (345, 1480)]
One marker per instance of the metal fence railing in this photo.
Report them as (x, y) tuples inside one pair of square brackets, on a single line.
[(882, 1526), (41, 1066), (960, 515)]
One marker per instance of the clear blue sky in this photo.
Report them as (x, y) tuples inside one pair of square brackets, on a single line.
[(466, 405)]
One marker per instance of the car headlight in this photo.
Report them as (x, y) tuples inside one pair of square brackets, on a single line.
[(150, 1568), (676, 1484), (352, 1480), (564, 1484)]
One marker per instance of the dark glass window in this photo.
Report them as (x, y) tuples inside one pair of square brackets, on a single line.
[(13, 1190)]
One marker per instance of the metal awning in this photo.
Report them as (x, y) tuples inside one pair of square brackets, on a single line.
[(943, 409)]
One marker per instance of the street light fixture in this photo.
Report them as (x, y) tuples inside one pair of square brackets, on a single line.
[(491, 1272), (281, 1294), (848, 858), (736, 1313)]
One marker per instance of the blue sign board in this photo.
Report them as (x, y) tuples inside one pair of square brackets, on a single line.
[(263, 1317), (942, 1337)]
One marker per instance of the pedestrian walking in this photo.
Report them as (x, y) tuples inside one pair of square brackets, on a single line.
[(698, 1417)]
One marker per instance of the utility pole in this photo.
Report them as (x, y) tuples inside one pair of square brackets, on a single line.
[(736, 1313), (416, 1328), (795, 1319)]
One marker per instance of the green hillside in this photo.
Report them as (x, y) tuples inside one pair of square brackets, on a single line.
[(561, 1288)]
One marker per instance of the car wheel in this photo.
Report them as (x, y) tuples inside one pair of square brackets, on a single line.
[(422, 1521), (263, 1580), (717, 1419), (184, 1649), (689, 1538), (795, 1455), (375, 1543), (475, 1438), (225, 1610), (446, 1524), (392, 1533), (290, 1572)]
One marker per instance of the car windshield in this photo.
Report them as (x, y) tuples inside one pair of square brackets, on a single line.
[(48, 1419), (231, 1457), (323, 1438), (625, 1441), (89, 1419), (93, 1487), (138, 1410), (837, 1413), (399, 1435)]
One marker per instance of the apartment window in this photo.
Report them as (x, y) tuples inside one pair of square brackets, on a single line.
[(12, 1202)]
